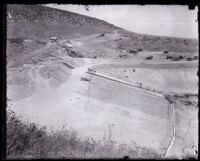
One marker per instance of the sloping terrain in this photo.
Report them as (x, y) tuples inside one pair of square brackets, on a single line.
[(157, 43), (49, 52), (29, 20), (29, 28)]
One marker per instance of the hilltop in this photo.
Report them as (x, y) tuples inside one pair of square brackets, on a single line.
[(40, 22), (37, 23)]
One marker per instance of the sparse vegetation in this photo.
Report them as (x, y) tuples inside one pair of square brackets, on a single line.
[(139, 49), (44, 47), (165, 52), (29, 140), (15, 40)]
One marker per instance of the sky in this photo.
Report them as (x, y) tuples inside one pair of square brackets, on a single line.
[(163, 20)]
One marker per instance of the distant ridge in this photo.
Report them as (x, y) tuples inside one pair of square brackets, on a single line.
[(39, 23), (54, 19)]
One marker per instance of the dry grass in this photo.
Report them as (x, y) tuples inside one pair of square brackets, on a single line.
[(28, 140)]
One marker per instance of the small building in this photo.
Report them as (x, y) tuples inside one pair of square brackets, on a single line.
[(195, 58), (67, 44), (123, 51), (189, 59), (53, 39), (149, 57), (132, 51), (139, 49), (169, 57)]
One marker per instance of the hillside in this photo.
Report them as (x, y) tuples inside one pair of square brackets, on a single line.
[(39, 22), (97, 79), (159, 43)]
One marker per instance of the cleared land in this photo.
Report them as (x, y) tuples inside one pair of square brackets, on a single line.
[(178, 78), (47, 81)]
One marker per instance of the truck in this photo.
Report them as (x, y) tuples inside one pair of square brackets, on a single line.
[(91, 70)]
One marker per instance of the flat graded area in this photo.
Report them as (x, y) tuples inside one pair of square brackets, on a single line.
[(168, 77)]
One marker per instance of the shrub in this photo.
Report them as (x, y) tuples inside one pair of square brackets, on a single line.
[(139, 49), (29, 140), (24, 138), (15, 40), (165, 52)]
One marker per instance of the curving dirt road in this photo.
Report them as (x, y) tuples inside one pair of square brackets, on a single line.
[(47, 102)]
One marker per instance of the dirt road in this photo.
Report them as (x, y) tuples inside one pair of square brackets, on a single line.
[(47, 102)]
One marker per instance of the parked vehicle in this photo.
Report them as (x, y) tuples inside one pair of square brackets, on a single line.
[(123, 56), (149, 57), (169, 57), (165, 52), (132, 51), (195, 58), (85, 79), (139, 49), (189, 59), (91, 70)]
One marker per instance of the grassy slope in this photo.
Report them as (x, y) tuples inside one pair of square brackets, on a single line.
[(28, 140), (38, 23), (157, 43)]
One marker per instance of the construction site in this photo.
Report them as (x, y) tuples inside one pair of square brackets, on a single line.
[(88, 82)]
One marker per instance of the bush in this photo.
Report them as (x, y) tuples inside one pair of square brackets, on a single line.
[(165, 52), (28, 140), (139, 49), (24, 139), (15, 40)]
